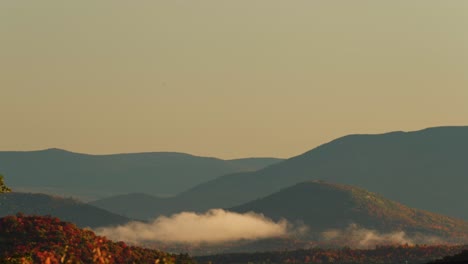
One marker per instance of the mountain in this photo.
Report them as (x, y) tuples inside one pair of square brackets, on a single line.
[(83, 215), (134, 205), (252, 164), (424, 169), (324, 206), (38, 239), (66, 173)]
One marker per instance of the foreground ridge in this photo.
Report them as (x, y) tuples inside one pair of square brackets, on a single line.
[(44, 239), (461, 258), (380, 254)]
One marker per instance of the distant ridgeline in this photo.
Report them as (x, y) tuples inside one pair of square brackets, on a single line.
[(66, 173), (424, 169)]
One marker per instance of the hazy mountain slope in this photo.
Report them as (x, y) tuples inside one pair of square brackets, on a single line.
[(324, 206), (253, 164), (83, 215), (160, 173), (134, 205), (425, 169)]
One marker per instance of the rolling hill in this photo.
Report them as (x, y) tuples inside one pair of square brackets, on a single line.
[(83, 215), (90, 177), (423, 169), (323, 206)]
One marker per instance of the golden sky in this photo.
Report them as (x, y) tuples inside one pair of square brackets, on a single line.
[(228, 79)]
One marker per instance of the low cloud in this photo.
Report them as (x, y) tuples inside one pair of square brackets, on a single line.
[(214, 226), (358, 237), (218, 226)]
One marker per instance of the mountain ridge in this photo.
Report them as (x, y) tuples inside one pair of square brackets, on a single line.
[(423, 169), (86, 176), (382, 163)]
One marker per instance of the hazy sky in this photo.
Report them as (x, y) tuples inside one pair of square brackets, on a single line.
[(226, 78)]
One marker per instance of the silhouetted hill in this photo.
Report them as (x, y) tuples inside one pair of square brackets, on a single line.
[(323, 206), (34, 239), (95, 176), (461, 258), (424, 169), (83, 215)]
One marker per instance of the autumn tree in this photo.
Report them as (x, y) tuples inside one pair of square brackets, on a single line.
[(3, 187)]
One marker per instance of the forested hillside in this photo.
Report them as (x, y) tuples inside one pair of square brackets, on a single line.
[(34, 239)]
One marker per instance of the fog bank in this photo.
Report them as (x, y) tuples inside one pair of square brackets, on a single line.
[(214, 226), (358, 237)]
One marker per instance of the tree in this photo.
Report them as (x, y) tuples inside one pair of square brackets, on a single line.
[(3, 187)]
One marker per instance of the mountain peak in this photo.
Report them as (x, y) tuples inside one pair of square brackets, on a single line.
[(322, 205)]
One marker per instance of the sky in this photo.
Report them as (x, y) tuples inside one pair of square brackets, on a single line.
[(228, 79)]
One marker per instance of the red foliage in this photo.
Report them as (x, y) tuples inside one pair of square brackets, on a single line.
[(37, 239)]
